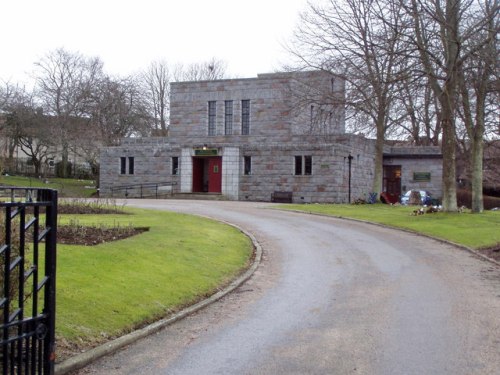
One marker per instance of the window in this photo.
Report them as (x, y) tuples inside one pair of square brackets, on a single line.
[(123, 165), (228, 117), (175, 165), (130, 165), (212, 110), (247, 165), (308, 165), (245, 117), (298, 165), (303, 165)]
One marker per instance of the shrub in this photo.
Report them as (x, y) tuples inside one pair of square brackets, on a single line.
[(464, 198)]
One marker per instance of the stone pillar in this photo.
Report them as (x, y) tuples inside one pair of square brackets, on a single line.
[(231, 172), (186, 169)]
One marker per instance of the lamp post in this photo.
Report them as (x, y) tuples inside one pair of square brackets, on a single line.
[(349, 158)]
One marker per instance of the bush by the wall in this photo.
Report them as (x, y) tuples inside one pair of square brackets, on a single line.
[(464, 198)]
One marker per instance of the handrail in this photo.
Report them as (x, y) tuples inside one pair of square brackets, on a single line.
[(142, 188)]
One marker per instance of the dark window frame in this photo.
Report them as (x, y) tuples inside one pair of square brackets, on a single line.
[(131, 166), (298, 165), (175, 165), (127, 165), (212, 116), (307, 165), (123, 165), (247, 165), (228, 117), (303, 165), (245, 117)]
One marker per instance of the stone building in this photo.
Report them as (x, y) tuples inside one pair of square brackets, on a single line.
[(245, 139)]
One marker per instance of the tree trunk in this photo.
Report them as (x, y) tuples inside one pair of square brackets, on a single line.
[(379, 161), (449, 164), (64, 161), (477, 176)]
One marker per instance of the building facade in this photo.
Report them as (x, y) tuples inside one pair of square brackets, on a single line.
[(245, 139)]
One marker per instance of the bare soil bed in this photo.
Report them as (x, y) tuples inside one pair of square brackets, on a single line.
[(77, 234), (93, 235)]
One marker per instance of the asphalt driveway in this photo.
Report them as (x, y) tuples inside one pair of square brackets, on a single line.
[(331, 297)]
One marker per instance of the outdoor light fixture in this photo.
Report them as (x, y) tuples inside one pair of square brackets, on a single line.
[(205, 146)]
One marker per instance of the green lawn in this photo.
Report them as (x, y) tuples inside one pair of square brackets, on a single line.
[(67, 187), (472, 230), (110, 289)]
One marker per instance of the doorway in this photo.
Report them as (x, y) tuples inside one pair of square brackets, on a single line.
[(207, 174), (392, 180)]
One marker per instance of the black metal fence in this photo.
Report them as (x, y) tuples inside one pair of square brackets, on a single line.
[(146, 190), (28, 231)]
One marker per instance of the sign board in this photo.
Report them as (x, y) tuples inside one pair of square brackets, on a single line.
[(206, 152), (421, 176)]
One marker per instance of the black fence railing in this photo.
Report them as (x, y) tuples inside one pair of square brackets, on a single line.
[(28, 232), (146, 190)]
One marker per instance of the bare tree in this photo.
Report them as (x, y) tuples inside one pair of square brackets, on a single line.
[(204, 71), (33, 134), (475, 80), (157, 94), (360, 40), (443, 32), (16, 107), (65, 81), (118, 111)]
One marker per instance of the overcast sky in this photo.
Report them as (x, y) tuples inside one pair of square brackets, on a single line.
[(129, 34)]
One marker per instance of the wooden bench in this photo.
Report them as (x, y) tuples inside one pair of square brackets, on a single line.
[(282, 197)]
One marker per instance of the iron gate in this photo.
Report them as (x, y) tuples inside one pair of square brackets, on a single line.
[(28, 227)]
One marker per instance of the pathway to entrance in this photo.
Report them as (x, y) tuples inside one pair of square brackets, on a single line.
[(331, 297)]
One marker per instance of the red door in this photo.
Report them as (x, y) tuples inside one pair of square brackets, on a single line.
[(215, 175)]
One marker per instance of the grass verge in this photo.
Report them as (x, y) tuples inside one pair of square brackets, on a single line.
[(472, 230), (108, 290), (67, 187)]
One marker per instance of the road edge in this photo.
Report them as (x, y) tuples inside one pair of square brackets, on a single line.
[(460, 246), (81, 360)]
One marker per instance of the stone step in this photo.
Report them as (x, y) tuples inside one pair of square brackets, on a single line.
[(198, 196)]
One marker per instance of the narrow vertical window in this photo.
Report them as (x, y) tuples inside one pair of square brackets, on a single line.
[(298, 165), (123, 165), (308, 165), (245, 117), (131, 165), (212, 109), (175, 165), (247, 165), (228, 118)]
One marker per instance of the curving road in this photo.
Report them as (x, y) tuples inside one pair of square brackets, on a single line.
[(331, 297)]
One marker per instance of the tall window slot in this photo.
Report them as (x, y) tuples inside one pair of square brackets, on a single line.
[(228, 118), (247, 165), (245, 117), (298, 165), (307, 165), (212, 111), (130, 165), (123, 165), (175, 165)]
